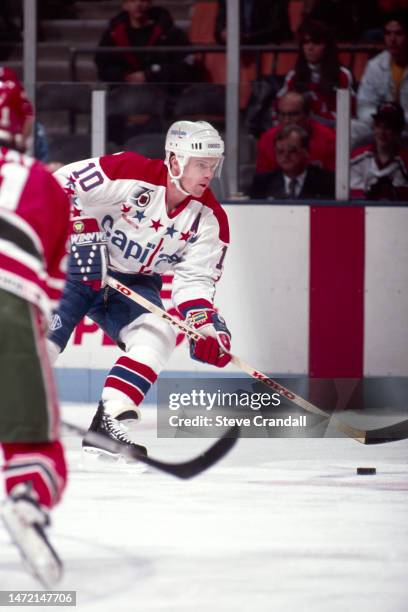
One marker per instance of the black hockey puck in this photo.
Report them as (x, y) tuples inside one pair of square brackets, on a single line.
[(366, 470)]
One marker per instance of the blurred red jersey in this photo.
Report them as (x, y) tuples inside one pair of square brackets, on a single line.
[(7, 74), (34, 223)]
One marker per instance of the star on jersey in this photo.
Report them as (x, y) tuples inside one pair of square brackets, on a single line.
[(170, 231), (156, 224), (125, 209), (140, 215), (71, 181), (185, 236), (70, 186)]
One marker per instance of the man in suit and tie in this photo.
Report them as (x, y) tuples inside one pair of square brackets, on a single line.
[(295, 177)]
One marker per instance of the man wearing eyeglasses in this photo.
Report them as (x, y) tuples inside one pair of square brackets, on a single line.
[(295, 178), (294, 108)]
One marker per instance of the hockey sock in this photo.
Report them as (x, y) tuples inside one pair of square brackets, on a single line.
[(41, 464), (126, 385)]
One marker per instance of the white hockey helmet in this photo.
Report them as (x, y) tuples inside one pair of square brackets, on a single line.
[(192, 139)]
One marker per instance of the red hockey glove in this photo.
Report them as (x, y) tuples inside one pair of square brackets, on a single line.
[(89, 259), (215, 346)]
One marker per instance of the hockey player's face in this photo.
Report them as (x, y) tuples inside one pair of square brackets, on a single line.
[(198, 172)]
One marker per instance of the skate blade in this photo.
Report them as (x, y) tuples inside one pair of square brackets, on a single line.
[(98, 459), (48, 574), (38, 558)]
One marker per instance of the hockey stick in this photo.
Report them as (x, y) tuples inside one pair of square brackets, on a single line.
[(391, 433), (184, 470)]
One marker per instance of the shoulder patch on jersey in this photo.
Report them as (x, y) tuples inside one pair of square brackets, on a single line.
[(140, 197)]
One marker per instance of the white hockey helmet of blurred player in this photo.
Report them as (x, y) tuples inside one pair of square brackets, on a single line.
[(192, 139)]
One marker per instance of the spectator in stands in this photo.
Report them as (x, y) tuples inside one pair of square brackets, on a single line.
[(294, 108), (318, 70), (261, 22), (295, 178), (140, 25), (379, 171), (385, 78), (385, 8)]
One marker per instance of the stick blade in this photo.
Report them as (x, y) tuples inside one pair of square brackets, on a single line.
[(390, 433), (185, 469), (193, 467)]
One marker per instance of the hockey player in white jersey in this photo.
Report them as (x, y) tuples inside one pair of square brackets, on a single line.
[(140, 218)]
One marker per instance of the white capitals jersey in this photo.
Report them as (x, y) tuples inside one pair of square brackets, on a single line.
[(126, 193)]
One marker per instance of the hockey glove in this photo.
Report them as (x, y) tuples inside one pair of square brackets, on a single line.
[(89, 259), (215, 346)]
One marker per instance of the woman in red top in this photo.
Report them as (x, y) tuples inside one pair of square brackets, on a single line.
[(318, 70)]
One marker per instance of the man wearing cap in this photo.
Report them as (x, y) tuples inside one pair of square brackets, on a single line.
[(379, 171), (385, 78)]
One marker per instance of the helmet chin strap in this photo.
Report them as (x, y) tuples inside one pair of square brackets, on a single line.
[(176, 182), (176, 179)]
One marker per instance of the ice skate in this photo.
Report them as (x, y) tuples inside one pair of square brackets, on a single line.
[(130, 418), (26, 521), (105, 425)]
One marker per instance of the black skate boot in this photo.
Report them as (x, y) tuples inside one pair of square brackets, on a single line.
[(26, 521), (105, 425)]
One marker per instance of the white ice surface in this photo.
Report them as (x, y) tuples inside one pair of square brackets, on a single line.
[(278, 525)]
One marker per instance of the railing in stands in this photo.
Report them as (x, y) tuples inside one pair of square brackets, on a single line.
[(349, 53)]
